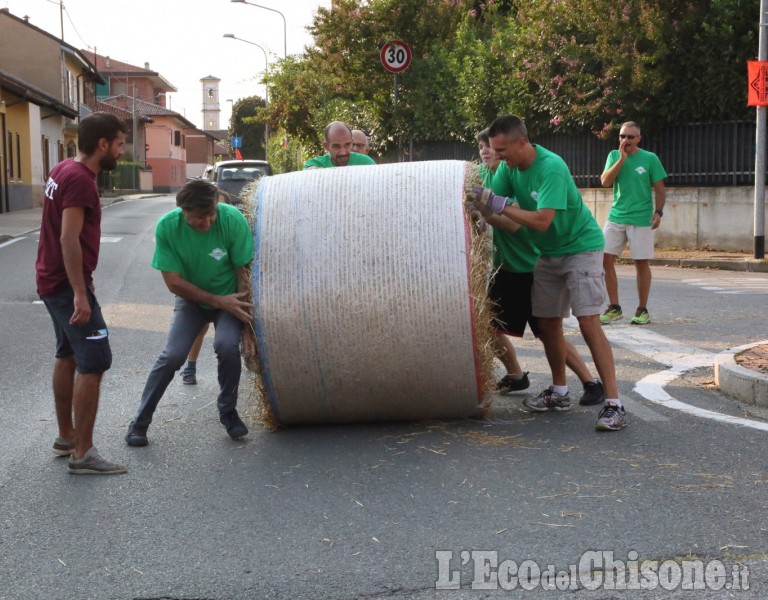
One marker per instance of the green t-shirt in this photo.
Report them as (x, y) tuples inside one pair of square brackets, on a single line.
[(547, 183), (207, 259), (632, 197), (486, 175), (513, 252), (324, 161)]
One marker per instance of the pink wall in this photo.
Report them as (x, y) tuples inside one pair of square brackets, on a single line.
[(168, 161)]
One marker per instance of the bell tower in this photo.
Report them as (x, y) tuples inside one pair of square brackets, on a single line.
[(211, 110)]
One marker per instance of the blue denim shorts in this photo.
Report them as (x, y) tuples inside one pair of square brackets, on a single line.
[(88, 343)]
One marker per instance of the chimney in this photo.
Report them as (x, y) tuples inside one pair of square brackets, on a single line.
[(107, 63), (146, 66)]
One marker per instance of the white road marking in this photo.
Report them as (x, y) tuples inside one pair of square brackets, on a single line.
[(105, 239), (679, 358), (731, 285), (9, 242)]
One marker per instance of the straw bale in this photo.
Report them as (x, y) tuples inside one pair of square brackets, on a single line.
[(370, 293)]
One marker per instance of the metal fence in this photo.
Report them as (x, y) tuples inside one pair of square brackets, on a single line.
[(699, 154), (124, 177)]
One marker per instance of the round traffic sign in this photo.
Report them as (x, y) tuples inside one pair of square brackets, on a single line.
[(396, 56)]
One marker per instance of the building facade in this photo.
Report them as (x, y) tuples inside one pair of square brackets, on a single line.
[(43, 94)]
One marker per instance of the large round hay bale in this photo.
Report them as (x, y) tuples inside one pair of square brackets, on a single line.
[(364, 309)]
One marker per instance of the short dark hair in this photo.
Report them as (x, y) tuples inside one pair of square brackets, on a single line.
[(197, 196), (482, 136), (96, 126), (509, 125)]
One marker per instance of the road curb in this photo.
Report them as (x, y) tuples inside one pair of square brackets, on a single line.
[(748, 265), (731, 378)]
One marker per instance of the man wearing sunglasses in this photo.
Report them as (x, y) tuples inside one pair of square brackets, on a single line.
[(360, 142), (634, 217)]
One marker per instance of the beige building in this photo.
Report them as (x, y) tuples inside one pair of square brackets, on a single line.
[(42, 96)]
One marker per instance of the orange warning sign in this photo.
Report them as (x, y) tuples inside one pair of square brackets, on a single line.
[(757, 80)]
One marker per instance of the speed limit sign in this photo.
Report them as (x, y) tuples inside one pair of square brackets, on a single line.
[(396, 56)]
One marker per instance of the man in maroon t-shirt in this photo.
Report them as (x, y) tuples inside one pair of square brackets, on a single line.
[(66, 258)]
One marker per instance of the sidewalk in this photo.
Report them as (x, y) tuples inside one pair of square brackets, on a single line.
[(19, 222), (740, 372)]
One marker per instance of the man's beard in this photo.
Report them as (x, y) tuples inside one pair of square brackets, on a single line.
[(108, 163)]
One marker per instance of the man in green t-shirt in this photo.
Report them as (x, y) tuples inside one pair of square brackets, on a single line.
[(633, 173), (203, 250), (514, 258), (337, 141), (568, 276)]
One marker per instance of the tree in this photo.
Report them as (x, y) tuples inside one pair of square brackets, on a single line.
[(248, 122), (580, 65), (708, 79)]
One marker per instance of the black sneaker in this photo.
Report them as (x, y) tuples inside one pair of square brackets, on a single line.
[(189, 376), (508, 384), (136, 436), (234, 424), (593, 393)]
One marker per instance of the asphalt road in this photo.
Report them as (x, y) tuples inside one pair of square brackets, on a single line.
[(362, 511)]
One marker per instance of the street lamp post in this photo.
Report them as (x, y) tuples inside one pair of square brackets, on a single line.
[(232, 114), (285, 27), (231, 108), (232, 36)]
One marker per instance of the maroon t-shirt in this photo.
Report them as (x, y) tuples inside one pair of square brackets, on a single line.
[(70, 184)]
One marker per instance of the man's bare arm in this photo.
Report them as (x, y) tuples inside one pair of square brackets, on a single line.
[(72, 219)]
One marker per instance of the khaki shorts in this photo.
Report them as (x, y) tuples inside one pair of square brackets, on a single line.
[(565, 284), (640, 240)]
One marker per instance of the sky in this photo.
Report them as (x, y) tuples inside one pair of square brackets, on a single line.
[(182, 40)]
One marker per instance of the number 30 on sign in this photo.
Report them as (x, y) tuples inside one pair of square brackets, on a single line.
[(396, 56)]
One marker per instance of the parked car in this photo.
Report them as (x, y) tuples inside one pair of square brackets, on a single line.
[(231, 176)]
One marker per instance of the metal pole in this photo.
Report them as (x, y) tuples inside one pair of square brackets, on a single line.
[(134, 133), (285, 24), (266, 86), (394, 118), (759, 218), (4, 202)]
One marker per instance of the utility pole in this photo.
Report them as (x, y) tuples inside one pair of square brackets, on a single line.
[(134, 133), (759, 217)]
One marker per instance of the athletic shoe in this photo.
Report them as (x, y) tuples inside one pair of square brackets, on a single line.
[(93, 463), (63, 447), (509, 384), (641, 317), (593, 393), (235, 426), (612, 314), (189, 376), (136, 436), (611, 418), (548, 400)]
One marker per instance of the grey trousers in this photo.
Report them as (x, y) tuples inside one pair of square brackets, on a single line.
[(188, 320)]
